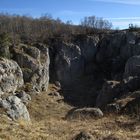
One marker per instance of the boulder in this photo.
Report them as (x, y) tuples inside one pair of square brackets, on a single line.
[(128, 103), (130, 84), (25, 98), (15, 108), (57, 83), (84, 113), (84, 136), (114, 90), (109, 91), (11, 77), (55, 94), (34, 61)]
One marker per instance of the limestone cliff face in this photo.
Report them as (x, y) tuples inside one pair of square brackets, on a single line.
[(34, 62), (69, 63), (115, 49), (11, 77), (83, 66), (71, 60), (87, 61)]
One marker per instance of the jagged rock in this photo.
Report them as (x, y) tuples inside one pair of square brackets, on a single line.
[(123, 44), (25, 98), (84, 113), (11, 77), (114, 90), (34, 61), (88, 46), (4, 103), (15, 108), (54, 94), (132, 107), (128, 103), (131, 46), (57, 83), (109, 47), (108, 93), (113, 108), (68, 63), (114, 50), (132, 67), (84, 136), (131, 84)]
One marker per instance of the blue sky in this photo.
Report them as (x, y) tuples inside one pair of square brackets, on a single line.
[(119, 12)]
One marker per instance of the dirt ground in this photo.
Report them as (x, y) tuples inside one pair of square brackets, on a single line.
[(48, 123)]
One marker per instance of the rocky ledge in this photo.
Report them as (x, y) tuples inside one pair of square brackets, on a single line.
[(93, 71)]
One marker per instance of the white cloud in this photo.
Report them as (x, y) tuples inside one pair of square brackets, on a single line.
[(123, 22), (71, 13), (130, 2), (124, 18)]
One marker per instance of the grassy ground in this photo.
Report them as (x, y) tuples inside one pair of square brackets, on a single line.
[(48, 123)]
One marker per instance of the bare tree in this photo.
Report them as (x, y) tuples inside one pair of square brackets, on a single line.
[(95, 22)]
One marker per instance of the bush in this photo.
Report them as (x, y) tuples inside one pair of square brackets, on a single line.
[(4, 45)]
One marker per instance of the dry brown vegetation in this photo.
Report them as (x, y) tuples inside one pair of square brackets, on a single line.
[(48, 123)]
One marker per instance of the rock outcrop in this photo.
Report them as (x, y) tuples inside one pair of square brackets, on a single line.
[(88, 46), (97, 69), (108, 93), (69, 64), (114, 90), (83, 136), (11, 77), (15, 108), (25, 98), (132, 67), (84, 113), (34, 62), (128, 103)]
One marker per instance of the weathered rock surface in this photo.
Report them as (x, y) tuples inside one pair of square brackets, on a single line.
[(15, 108), (25, 98), (84, 113), (131, 45), (113, 52), (55, 94), (88, 60), (88, 46), (34, 62), (108, 93), (11, 77), (68, 63), (128, 103), (132, 67), (114, 90)]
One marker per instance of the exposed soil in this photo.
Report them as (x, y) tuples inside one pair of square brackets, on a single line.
[(48, 123)]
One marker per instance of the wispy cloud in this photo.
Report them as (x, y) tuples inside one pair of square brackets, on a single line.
[(124, 18), (123, 22), (71, 13), (130, 2), (15, 9)]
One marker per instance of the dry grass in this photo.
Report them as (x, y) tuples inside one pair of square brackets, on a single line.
[(48, 123)]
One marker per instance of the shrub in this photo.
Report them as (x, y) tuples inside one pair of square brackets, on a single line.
[(4, 45)]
